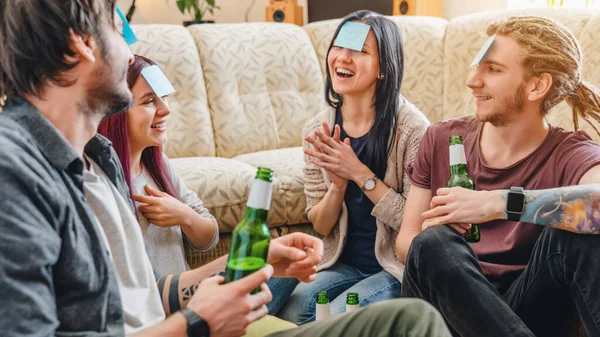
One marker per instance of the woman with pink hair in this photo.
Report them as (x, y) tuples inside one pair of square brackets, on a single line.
[(168, 212)]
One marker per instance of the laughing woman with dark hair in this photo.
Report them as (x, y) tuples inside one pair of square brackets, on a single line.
[(355, 153), (168, 212)]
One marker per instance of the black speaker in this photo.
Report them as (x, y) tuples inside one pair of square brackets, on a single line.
[(278, 16), (403, 7), (286, 11), (332, 9)]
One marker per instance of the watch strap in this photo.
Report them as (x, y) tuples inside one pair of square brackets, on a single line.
[(196, 326)]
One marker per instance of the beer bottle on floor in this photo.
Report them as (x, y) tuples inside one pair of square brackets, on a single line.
[(250, 238), (352, 302), (460, 178), (322, 311)]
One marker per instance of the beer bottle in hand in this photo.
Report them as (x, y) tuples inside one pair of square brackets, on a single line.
[(460, 178), (250, 238)]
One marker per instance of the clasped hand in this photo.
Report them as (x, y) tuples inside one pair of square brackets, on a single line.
[(334, 155)]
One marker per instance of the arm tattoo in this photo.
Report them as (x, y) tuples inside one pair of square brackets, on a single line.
[(160, 283), (174, 304), (188, 292), (168, 288), (573, 208)]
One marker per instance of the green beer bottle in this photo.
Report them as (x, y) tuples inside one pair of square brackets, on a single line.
[(250, 238), (460, 178), (352, 302), (322, 310)]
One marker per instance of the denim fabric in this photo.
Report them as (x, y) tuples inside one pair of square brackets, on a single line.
[(281, 288), (337, 281), (560, 277)]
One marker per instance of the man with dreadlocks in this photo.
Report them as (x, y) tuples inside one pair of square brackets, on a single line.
[(534, 266)]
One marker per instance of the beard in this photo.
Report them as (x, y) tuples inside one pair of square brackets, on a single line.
[(507, 111), (108, 92), (108, 96)]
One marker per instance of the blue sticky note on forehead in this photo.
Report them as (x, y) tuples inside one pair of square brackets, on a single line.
[(484, 50), (157, 81), (352, 35), (128, 34)]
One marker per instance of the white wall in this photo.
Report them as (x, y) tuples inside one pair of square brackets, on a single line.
[(165, 11), (454, 8)]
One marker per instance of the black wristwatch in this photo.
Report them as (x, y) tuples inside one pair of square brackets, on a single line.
[(197, 327), (515, 203)]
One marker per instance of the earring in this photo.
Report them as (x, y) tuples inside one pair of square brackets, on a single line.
[(381, 77)]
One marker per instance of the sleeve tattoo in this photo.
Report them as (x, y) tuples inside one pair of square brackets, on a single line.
[(573, 208)]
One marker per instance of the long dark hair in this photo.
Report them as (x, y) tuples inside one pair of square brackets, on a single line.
[(387, 89), (114, 128)]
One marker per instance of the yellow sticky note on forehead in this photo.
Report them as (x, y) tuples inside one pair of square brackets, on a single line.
[(484, 50)]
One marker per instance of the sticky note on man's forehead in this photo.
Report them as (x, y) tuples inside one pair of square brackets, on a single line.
[(157, 81), (484, 50), (127, 32), (352, 35)]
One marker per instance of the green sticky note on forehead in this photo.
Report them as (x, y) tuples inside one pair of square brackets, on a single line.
[(352, 35), (127, 32), (157, 81), (484, 50)]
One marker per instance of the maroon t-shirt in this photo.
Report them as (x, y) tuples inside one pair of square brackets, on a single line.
[(562, 159)]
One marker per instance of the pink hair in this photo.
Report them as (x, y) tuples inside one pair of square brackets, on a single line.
[(115, 129)]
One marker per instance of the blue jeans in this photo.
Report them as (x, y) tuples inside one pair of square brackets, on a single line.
[(281, 288), (559, 280), (337, 281)]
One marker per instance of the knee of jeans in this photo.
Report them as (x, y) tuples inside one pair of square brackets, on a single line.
[(299, 309), (429, 245)]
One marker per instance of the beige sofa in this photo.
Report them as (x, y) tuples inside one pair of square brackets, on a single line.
[(245, 91)]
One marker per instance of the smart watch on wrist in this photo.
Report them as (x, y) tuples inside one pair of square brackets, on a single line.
[(515, 203), (197, 327)]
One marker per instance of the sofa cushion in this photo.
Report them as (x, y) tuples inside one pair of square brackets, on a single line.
[(287, 165), (423, 58), (465, 36), (224, 184), (263, 82), (189, 128)]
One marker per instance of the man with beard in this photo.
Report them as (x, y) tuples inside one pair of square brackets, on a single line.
[(63, 66), (55, 75), (521, 279)]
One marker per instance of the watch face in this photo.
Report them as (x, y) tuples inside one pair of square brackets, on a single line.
[(370, 184), (515, 202)]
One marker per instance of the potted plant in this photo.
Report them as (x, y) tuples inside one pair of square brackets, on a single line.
[(198, 8)]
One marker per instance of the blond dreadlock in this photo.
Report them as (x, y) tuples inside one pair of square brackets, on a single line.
[(551, 48)]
